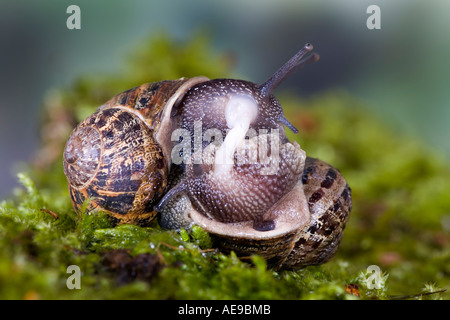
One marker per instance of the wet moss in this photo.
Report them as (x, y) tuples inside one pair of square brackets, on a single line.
[(400, 218)]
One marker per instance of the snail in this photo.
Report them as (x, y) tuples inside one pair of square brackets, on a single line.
[(116, 157), (212, 153)]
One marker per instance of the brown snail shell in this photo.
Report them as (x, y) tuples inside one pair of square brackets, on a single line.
[(118, 157), (330, 202)]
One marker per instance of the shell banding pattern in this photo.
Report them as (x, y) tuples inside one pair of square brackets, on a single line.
[(330, 203), (113, 159)]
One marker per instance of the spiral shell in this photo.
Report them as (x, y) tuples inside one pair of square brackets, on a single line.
[(119, 157)]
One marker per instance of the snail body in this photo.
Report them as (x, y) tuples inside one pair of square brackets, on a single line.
[(241, 179), (309, 221)]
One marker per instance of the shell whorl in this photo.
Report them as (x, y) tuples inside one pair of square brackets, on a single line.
[(329, 200), (112, 159), (117, 158)]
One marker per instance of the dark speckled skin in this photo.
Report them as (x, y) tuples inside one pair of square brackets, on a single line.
[(329, 201)]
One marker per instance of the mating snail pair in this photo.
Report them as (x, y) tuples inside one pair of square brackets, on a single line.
[(213, 153)]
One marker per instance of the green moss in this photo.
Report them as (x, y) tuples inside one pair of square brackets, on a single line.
[(399, 220)]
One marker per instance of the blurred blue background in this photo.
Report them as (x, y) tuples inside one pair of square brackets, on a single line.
[(402, 71)]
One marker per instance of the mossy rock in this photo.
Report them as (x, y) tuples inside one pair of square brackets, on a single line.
[(399, 223)]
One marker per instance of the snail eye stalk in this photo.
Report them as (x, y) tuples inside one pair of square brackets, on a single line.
[(297, 62)]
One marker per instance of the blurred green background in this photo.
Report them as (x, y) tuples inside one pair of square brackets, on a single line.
[(401, 71)]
